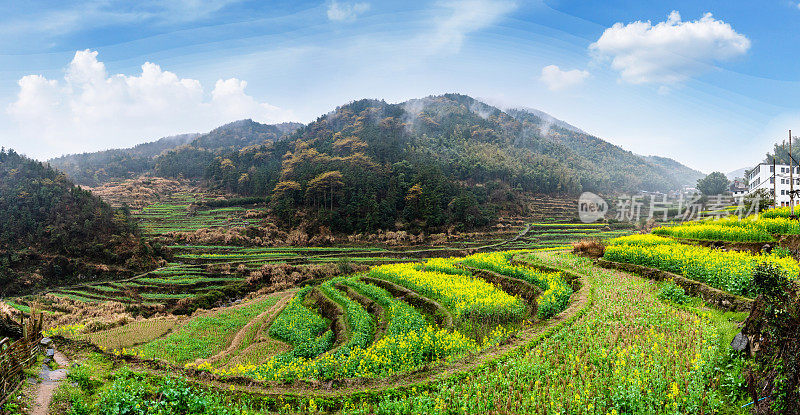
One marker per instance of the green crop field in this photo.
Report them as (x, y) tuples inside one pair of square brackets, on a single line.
[(617, 348)]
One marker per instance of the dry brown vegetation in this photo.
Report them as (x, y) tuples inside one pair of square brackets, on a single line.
[(97, 316), (277, 277), (268, 235), (591, 247), (141, 191)]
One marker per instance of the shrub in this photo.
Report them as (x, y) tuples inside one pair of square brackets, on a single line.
[(731, 271), (673, 293)]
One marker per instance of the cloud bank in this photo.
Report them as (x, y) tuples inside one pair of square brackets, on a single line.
[(90, 109), (557, 79), (671, 51)]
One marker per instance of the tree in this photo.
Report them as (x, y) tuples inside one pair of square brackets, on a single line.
[(763, 197), (714, 184), (329, 181)]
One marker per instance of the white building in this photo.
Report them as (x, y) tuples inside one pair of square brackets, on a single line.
[(763, 176), (738, 188)]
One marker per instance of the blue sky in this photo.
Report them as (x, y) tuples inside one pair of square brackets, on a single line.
[(712, 91)]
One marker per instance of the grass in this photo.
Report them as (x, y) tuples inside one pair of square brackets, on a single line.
[(303, 328), (174, 216), (400, 317), (205, 335), (359, 323)]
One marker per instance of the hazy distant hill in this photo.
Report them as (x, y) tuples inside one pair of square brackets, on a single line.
[(682, 173), (51, 230), (191, 160), (736, 173), (93, 169), (243, 133)]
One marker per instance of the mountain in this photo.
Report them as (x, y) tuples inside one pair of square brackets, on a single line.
[(738, 173), (243, 133), (683, 174), (93, 169), (52, 231), (549, 120), (192, 159), (430, 163)]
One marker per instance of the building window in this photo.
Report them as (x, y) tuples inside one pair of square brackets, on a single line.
[(771, 180)]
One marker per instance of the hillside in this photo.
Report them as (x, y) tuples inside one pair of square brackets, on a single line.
[(192, 159), (422, 165), (51, 231)]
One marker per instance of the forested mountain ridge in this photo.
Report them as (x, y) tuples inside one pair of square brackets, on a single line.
[(52, 230), (243, 133), (427, 163), (192, 159), (605, 167), (424, 164)]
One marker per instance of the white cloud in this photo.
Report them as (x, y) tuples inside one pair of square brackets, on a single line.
[(557, 79), (91, 109), (464, 17), (345, 12), (671, 51)]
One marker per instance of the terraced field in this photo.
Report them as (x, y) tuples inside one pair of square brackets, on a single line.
[(196, 269), (390, 320), (386, 342), (178, 214)]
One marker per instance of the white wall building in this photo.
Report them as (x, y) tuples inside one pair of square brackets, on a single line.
[(762, 176)]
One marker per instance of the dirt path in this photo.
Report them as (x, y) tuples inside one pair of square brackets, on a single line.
[(263, 318), (49, 382)]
